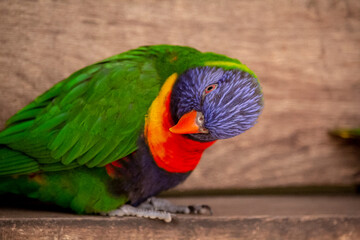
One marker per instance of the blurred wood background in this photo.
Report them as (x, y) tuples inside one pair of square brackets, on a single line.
[(305, 53)]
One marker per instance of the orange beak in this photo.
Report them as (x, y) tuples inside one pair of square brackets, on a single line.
[(187, 124)]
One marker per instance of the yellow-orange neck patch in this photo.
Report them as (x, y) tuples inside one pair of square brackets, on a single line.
[(172, 152)]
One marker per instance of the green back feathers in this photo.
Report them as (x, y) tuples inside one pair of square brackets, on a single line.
[(91, 118)]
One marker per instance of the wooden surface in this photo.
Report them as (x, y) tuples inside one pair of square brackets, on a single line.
[(244, 217), (306, 54)]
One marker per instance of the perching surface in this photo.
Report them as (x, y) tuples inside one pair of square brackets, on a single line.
[(244, 217)]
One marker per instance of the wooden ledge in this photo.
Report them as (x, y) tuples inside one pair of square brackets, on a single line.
[(254, 217)]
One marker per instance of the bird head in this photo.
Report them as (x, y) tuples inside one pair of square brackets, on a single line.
[(210, 103)]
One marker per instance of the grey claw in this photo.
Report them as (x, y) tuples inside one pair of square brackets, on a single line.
[(200, 209)]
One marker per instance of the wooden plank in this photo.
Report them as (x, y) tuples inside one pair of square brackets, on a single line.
[(301, 228), (306, 54), (234, 218)]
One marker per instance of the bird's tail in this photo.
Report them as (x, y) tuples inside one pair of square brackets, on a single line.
[(13, 166), (15, 162)]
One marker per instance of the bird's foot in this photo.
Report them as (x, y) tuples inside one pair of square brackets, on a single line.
[(157, 208), (154, 203), (128, 210)]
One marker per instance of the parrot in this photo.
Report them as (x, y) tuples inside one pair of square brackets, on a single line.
[(113, 135)]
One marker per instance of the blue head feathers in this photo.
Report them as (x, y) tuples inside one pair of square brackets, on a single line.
[(230, 100)]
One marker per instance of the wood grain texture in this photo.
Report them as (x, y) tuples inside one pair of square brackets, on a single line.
[(259, 227), (306, 54), (258, 217)]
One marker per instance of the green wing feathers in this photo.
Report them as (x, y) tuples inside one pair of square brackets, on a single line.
[(91, 118), (10, 161)]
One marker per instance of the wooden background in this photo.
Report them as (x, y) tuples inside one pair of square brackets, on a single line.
[(306, 54)]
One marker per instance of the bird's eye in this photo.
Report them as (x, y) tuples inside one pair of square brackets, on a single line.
[(201, 119), (210, 88)]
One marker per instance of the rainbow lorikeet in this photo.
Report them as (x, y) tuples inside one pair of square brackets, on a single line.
[(115, 133)]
